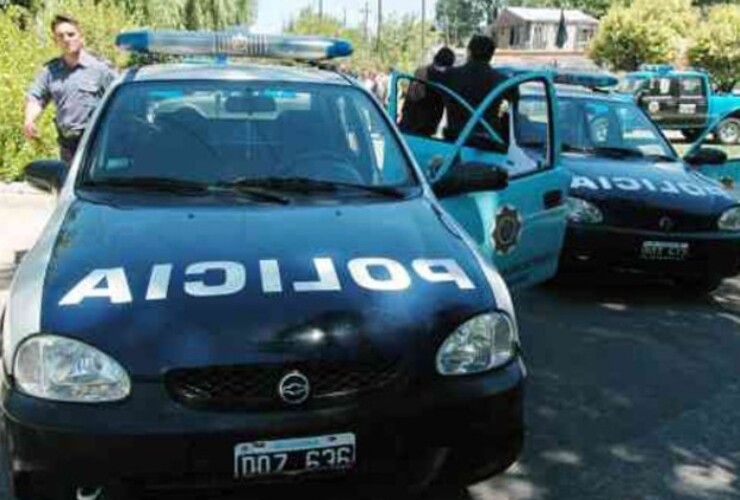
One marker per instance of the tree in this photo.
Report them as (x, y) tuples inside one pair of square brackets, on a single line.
[(644, 32), (716, 45), (458, 19)]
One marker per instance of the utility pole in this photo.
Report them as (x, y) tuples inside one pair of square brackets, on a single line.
[(380, 24), (321, 10), (423, 29), (366, 12)]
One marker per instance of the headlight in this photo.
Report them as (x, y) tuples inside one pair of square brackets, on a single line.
[(583, 212), (480, 344), (730, 220), (62, 369)]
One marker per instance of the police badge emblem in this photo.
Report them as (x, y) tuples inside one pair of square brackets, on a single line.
[(507, 229)]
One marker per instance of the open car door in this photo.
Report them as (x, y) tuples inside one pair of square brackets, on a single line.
[(716, 160), (521, 227)]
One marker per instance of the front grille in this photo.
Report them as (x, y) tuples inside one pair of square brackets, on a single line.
[(649, 219), (256, 386)]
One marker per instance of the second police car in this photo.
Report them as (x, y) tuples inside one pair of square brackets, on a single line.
[(246, 278), (635, 205)]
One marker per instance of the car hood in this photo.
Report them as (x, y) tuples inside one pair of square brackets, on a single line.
[(646, 185), (165, 286)]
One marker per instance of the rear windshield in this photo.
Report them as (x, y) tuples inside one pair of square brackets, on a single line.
[(222, 131)]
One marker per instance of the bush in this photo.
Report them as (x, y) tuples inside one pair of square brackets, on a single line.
[(647, 31), (717, 45)]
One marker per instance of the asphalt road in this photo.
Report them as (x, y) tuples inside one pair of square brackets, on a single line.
[(634, 391)]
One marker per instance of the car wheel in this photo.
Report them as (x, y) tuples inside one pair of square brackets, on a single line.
[(698, 286), (691, 134), (728, 131)]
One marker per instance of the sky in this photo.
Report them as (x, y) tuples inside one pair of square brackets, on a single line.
[(272, 15)]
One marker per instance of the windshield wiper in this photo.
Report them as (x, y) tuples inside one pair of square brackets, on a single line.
[(605, 150), (305, 185), (163, 184), (257, 192), (661, 157)]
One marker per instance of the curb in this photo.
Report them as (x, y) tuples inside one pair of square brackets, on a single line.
[(19, 188)]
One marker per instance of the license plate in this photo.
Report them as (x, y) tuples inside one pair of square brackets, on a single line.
[(664, 250), (293, 456), (687, 109)]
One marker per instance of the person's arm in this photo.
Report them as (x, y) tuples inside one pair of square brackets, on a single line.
[(36, 100), (33, 110)]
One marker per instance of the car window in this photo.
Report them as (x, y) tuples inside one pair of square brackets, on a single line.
[(663, 87), (630, 85), (222, 131), (590, 124), (691, 87)]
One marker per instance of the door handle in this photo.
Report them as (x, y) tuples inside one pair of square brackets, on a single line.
[(553, 199)]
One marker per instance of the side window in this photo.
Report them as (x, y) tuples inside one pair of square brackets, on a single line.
[(529, 115), (662, 87), (691, 87)]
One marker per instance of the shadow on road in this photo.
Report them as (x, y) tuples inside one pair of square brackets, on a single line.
[(632, 393)]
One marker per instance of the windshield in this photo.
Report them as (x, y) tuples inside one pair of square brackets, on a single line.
[(609, 128), (221, 132)]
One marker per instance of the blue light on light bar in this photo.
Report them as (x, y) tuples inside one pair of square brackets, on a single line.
[(233, 43), (592, 80), (657, 68)]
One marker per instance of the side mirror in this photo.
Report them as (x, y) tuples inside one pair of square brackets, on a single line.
[(707, 156), (47, 175), (471, 177)]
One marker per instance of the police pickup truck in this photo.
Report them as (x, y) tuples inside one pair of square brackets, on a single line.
[(248, 278), (685, 101)]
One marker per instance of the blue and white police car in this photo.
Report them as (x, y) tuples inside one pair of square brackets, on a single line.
[(634, 204), (247, 277)]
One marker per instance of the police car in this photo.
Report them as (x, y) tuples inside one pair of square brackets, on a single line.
[(635, 205), (247, 278)]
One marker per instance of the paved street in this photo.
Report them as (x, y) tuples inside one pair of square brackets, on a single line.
[(634, 389)]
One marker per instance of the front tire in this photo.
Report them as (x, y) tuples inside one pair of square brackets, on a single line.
[(728, 131)]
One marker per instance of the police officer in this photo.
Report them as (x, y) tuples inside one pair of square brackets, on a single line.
[(473, 81), (75, 81)]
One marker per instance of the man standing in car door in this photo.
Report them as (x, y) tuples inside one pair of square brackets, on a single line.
[(75, 82)]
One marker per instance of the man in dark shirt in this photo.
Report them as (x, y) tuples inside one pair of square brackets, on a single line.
[(473, 81), (424, 106)]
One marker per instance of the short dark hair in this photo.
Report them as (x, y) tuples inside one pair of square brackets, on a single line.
[(63, 18), (482, 48), (444, 57)]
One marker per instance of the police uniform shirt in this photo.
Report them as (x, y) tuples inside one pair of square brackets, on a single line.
[(75, 91)]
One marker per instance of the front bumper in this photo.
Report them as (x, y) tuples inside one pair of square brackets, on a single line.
[(715, 255), (152, 441)]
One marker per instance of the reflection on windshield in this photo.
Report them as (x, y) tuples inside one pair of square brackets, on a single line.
[(218, 132), (609, 128)]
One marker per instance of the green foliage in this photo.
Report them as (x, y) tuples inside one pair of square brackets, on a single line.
[(646, 31), (717, 45), (22, 53), (400, 43), (457, 20)]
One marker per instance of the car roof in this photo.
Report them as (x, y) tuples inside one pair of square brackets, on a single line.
[(234, 71), (652, 74), (579, 92)]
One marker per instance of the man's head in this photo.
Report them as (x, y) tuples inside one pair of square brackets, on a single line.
[(481, 48), (444, 58), (67, 34)]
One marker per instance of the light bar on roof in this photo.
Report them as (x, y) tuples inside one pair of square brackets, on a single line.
[(233, 43), (657, 68), (592, 80)]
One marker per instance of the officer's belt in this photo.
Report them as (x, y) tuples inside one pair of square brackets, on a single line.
[(69, 134)]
